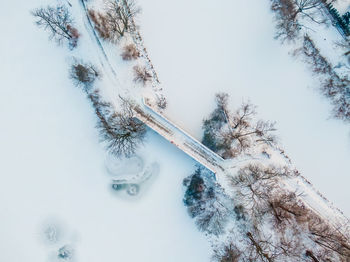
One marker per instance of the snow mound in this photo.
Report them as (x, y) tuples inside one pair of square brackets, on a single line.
[(123, 166)]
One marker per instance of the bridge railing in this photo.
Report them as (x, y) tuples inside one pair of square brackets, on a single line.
[(145, 101)]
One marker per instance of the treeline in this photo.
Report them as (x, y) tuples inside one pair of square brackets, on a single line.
[(121, 132), (290, 16), (261, 220), (333, 86), (258, 217)]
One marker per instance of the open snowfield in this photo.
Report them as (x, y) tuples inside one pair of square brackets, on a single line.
[(201, 47), (52, 167)]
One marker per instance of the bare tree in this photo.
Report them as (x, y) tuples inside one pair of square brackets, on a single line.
[(333, 86), (259, 248), (291, 243), (83, 74), (141, 75), (319, 64), (244, 132), (214, 215), (120, 14), (227, 253), (286, 208), (116, 20), (287, 27), (58, 21), (308, 8), (230, 134), (121, 131), (254, 184), (329, 238), (221, 100), (290, 13)]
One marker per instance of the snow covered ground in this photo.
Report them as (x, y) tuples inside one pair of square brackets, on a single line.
[(52, 167), (342, 6), (202, 47)]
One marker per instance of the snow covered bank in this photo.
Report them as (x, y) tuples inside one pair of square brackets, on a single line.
[(202, 47), (53, 167)]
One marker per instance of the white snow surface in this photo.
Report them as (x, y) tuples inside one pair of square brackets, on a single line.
[(343, 6), (201, 47), (52, 166)]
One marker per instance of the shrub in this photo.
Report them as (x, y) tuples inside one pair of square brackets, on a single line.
[(162, 102), (83, 75), (141, 75), (130, 52), (100, 22)]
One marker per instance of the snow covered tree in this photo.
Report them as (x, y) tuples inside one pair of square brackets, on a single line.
[(206, 202), (342, 22), (331, 241), (65, 253), (161, 102), (232, 133), (116, 20), (83, 74), (130, 52), (58, 21), (285, 208), (254, 186), (120, 15), (214, 123), (333, 86), (227, 253), (121, 131), (141, 75), (290, 13), (287, 27)]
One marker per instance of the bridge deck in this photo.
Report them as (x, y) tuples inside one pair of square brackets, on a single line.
[(179, 138)]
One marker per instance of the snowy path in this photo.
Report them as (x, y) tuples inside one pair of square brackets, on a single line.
[(89, 27)]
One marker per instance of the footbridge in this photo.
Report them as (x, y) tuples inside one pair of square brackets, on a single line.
[(147, 114)]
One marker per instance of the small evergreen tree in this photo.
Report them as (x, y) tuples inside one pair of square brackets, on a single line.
[(206, 202)]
